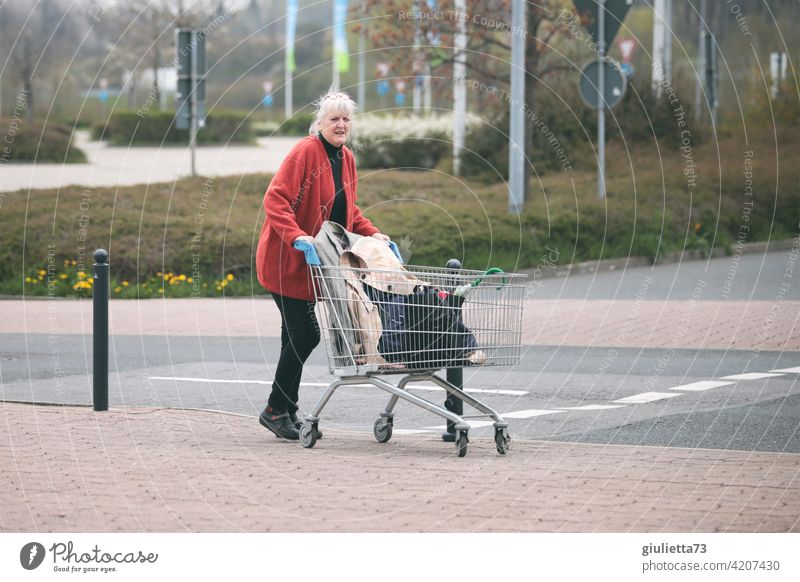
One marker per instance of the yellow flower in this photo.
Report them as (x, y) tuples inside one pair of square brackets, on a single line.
[(697, 227), (182, 277), (66, 263), (28, 280), (125, 283), (74, 263), (223, 283), (81, 275), (189, 280), (230, 277), (63, 276), (161, 290), (219, 288), (117, 289), (205, 284), (159, 274), (42, 272)]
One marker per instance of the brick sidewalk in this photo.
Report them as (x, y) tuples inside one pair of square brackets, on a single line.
[(71, 469), (763, 325)]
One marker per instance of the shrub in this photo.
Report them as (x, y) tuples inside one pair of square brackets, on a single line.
[(781, 111), (127, 127), (296, 125), (486, 155), (31, 142), (402, 142)]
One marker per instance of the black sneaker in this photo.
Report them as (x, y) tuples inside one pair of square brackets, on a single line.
[(280, 424), (298, 423)]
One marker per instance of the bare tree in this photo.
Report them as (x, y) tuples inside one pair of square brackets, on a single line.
[(393, 24), (37, 38)]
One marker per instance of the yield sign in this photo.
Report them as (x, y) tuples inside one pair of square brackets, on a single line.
[(615, 14), (626, 45)]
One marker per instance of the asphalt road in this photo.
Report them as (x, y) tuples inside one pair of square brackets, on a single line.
[(746, 277), (542, 393), (602, 395)]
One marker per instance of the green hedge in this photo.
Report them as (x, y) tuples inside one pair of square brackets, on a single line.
[(31, 142), (296, 125), (128, 127)]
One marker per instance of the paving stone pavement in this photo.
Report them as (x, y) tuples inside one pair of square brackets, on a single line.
[(70, 469), (762, 325)]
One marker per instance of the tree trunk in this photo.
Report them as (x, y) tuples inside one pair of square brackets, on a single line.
[(28, 85)]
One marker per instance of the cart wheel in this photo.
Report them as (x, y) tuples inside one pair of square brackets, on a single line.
[(382, 429), (308, 435), (502, 440), (461, 444)]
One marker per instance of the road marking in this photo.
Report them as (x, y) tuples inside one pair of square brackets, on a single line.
[(428, 387), (645, 397), (699, 386), (528, 413), (411, 431), (795, 370), (215, 381), (751, 376), (592, 407), (471, 423)]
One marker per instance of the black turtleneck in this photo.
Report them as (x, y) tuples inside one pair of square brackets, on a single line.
[(339, 210)]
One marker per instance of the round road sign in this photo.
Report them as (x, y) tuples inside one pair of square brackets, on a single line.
[(614, 80)]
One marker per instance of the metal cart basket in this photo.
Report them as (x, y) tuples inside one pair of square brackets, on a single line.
[(414, 321)]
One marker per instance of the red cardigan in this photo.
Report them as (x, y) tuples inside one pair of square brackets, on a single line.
[(298, 200)]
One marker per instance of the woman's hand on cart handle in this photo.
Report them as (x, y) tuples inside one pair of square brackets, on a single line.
[(381, 236), (306, 245)]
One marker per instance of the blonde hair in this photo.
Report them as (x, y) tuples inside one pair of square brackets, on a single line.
[(333, 101)]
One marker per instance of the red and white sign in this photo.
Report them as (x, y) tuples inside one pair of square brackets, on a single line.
[(626, 45)]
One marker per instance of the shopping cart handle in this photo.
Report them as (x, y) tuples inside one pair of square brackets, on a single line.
[(312, 258), (396, 251)]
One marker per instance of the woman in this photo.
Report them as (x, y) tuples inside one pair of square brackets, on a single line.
[(316, 182)]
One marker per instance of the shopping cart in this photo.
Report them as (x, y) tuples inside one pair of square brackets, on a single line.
[(414, 321)]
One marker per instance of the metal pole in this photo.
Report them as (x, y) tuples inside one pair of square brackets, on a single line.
[(459, 82), (668, 41), (335, 59), (516, 150), (416, 92), (701, 65), (362, 70), (601, 101), (193, 100), (454, 376), (100, 330), (658, 73), (711, 87)]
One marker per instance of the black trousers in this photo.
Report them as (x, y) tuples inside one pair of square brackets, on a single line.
[(299, 336)]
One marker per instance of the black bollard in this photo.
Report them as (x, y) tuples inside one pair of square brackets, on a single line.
[(100, 329), (456, 377)]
